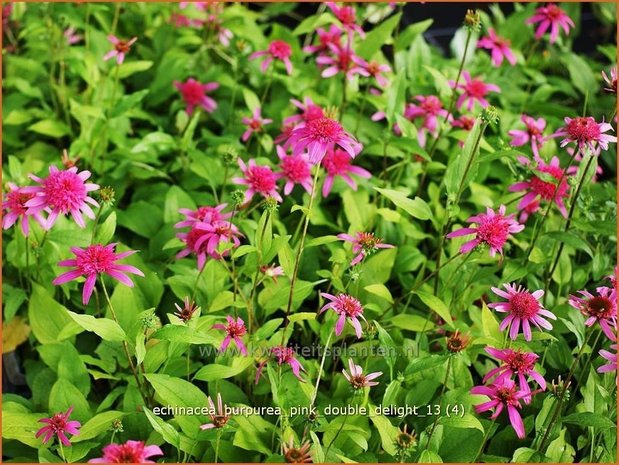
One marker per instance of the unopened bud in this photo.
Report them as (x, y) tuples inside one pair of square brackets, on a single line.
[(472, 20)]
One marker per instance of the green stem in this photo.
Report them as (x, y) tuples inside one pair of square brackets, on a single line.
[(440, 396), (116, 17), (322, 365), (484, 441), (61, 449), (217, 445)]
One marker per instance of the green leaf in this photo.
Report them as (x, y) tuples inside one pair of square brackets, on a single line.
[(489, 324), (391, 350), (175, 199), (378, 36), (251, 100), (127, 102), (183, 334), (441, 83), (213, 371), (301, 316), (570, 238), (585, 419), (455, 174), (65, 395), (167, 431), (580, 73), (436, 305), (22, 427), (396, 93), (105, 231), (97, 425), (467, 421), (49, 320), (106, 329), (409, 34), (380, 290), (50, 127), (427, 456), (413, 323), (132, 67), (416, 207), (386, 431)]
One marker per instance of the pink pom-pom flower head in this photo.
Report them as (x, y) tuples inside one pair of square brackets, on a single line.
[(59, 425), (295, 169), (194, 94), (62, 192), (523, 309), (14, 206), (93, 261), (600, 308), (493, 229), (553, 17), (586, 133), (339, 163), (259, 180), (129, 452), (533, 133), (121, 48), (205, 239), (348, 308), (504, 395), (235, 330), (277, 50)]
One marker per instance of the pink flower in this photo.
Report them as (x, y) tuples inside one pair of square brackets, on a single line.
[(515, 363), (234, 331), (224, 35), (364, 244), (585, 132), (347, 16), (538, 188), (319, 135), (283, 355), (205, 214), (62, 192), (601, 308), (553, 17), (185, 312), (309, 111), (259, 179), (93, 261), (129, 452), (60, 426), (523, 308), (205, 239), (474, 90), (503, 395), (254, 124), (499, 48), (612, 81), (345, 306), (338, 163), (14, 204), (278, 50), (199, 5), (464, 122), (493, 229), (218, 415), (429, 108), (121, 48), (179, 20), (194, 93), (534, 133), (71, 36), (342, 59), (374, 69), (573, 169), (272, 271), (612, 358), (357, 379), (296, 169), (325, 38)]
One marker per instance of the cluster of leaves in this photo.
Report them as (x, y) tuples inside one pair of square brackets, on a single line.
[(128, 125)]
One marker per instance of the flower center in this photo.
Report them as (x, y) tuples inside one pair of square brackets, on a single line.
[(95, 259), (324, 130), (546, 189), (193, 92), (583, 129), (312, 112), (357, 382), (506, 395), (523, 305), (219, 420), (295, 169), (350, 306), (493, 231), (553, 12), (128, 455), (599, 307), (16, 200), (476, 88), (521, 362), (208, 214), (346, 15), (261, 178), (236, 329), (336, 162), (192, 238), (122, 46), (58, 422), (431, 105), (65, 190), (280, 49)]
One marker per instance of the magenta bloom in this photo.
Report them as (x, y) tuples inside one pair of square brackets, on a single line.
[(129, 452), (612, 81), (503, 395), (600, 308), (553, 17), (338, 163), (272, 271), (534, 133), (341, 60), (93, 261), (254, 124), (364, 244), (59, 425), (204, 239), (62, 192), (283, 355), (194, 94), (499, 48), (199, 5), (523, 308), (309, 111), (121, 48), (374, 69), (259, 179), (218, 415), (357, 379), (278, 50), (71, 36), (325, 37), (179, 20), (537, 188), (345, 306), (296, 169), (347, 16), (14, 205), (205, 214), (464, 122), (319, 135), (493, 229), (474, 90), (585, 132), (515, 363), (429, 108), (235, 329), (612, 358)]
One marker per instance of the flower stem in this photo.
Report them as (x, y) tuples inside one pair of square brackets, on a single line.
[(125, 345), (61, 449), (322, 365), (440, 397)]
